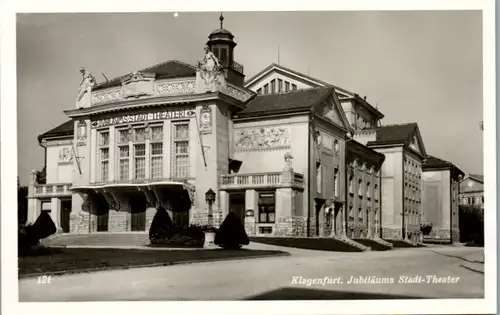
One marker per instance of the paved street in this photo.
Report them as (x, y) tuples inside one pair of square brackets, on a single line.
[(280, 278)]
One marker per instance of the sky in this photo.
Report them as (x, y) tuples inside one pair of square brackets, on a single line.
[(416, 66)]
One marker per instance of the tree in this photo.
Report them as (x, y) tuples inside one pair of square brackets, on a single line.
[(471, 224), (231, 234), (30, 235), (22, 204), (160, 225), (41, 175)]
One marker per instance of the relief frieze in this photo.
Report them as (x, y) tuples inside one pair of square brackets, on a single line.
[(262, 138)]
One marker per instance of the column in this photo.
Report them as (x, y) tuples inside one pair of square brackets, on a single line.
[(224, 203), (252, 200), (55, 212)]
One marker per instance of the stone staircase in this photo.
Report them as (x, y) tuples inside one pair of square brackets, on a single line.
[(401, 243), (98, 239), (330, 243), (353, 243), (376, 244)]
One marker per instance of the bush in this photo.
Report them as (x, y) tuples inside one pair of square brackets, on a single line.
[(160, 225), (192, 236), (44, 226), (30, 235), (231, 234), (426, 228), (164, 232)]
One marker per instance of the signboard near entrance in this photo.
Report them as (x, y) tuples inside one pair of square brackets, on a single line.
[(127, 119)]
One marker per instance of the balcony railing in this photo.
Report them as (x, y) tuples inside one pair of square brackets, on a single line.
[(272, 179), (48, 190)]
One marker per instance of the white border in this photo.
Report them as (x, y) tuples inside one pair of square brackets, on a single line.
[(9, 162)]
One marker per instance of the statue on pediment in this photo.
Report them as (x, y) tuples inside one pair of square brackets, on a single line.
[(209, 74), (88, 81)]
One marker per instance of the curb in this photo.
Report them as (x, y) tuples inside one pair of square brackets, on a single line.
[(472, 269), (169, 263)]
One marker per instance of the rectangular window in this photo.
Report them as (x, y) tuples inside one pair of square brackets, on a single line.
[(280, 85), (140, 134), (375, 192), (294, 87), (351, 189), (319, 178), (104, 138), (368, 192), (104, 158), (123, 162), (360, 188), (336, 182), (287, 86), (267, 207), (157, 160), (156, 151), (215, 50), (181, 150), (123, 154), (140, 161), (273, 86), (223, 55)]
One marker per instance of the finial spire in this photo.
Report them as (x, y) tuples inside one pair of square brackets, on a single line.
[(221, 18)]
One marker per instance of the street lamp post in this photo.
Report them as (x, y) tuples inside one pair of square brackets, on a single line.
[(210, 198)]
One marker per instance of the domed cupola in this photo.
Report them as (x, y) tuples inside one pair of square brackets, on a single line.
[(221, 43)]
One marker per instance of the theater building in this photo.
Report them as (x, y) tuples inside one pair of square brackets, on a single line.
[(441, 189), (289, 154)]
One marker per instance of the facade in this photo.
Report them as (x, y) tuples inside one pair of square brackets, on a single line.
[(441, 189), (289, 154), (472, 190)]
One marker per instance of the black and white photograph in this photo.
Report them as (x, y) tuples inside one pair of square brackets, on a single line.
[(214, 154)]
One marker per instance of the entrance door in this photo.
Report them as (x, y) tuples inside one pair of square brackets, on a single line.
[(318, 204), (237, 205), (138, 212), (102, 214), (65, 214)]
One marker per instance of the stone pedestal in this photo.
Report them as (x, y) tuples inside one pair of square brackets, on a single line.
[(250, 225), (209, 240)]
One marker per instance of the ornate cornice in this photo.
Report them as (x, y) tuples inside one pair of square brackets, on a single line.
[(142, 85), (128, 105)]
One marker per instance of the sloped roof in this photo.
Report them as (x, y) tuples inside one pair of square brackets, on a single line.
[(433, 162), (479, 178), (280, 67), (317, 83), (371, 156), (65, 129), (288, 102), (165, 70), (394, 134)]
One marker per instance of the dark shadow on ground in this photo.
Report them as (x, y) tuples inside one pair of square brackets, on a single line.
[(313, 243), (459, 257), (317, 294)]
